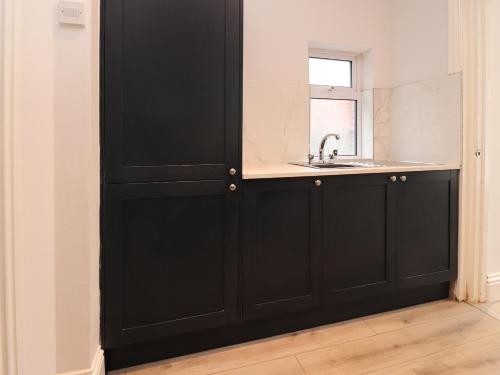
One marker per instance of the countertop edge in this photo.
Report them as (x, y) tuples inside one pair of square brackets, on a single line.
[(275, 172)]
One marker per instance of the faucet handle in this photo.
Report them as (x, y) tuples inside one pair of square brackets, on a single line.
[(333, 154), (310, 157)]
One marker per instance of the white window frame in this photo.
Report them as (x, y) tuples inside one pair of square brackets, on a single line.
[(343, 93)]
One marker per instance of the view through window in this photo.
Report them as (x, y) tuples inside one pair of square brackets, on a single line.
[(334, 103)]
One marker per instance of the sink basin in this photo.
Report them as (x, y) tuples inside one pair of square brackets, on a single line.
[(339, 165), (325, 165), (330, 165)]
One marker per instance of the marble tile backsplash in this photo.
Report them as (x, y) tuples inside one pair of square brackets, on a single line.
[(367, 117), (425, 121), (381, 123), (275, 122), (416, 122)]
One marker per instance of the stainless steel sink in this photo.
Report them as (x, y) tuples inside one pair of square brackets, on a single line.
[(330, 165), (325, 165), (338, 165)]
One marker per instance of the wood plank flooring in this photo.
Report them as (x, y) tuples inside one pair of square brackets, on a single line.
[(443, 337), (492, 309)]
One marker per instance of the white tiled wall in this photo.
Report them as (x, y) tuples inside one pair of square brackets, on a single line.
[(275, 122), (415, 122), (381, 123), (420, 121)]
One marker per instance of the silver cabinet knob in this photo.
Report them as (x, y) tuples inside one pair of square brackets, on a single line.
[(232, 172), (393, 178), (402, 178), (232, 187), (317, 183)]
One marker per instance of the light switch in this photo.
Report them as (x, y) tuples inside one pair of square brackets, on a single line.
[(71, 13)]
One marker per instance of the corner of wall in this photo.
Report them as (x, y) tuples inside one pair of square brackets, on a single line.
[(367, 117), (493, 287), (97, 367)]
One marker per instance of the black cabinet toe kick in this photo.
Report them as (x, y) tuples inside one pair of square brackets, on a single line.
[(151, 351)]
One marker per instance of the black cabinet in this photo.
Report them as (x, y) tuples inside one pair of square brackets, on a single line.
[(358, 237), (313, 251), (185, 270), (171, 89), (281, 246), (171, 111), (381, 234), (426, 228), (170, 259)]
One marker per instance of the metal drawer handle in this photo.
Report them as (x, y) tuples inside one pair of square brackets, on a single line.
[(402, 178), (232, 187), (317, 183), (393, 178)]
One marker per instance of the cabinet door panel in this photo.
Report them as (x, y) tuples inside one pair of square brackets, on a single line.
[(172, 89), (281, 246), (170, 258), (358, 246), (427, 229)]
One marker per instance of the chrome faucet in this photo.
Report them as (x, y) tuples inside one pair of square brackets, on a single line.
[(322, 145)]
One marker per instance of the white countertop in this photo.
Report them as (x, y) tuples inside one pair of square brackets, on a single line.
[(281, 170)]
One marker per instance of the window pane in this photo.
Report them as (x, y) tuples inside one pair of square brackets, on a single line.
[(333, 116), (326, 72)]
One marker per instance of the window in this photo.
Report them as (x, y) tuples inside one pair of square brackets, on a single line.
[(335, 102)]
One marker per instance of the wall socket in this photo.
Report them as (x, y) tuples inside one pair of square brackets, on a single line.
[(71, 13)]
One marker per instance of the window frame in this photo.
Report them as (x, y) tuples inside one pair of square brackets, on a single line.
[(342, 93)]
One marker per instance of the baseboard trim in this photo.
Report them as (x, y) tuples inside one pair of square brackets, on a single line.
[(493, 287), (97, 367)]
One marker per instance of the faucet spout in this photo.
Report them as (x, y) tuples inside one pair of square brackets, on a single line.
[(322, 145)]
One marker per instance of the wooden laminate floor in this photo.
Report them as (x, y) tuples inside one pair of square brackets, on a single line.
[(438, 338)]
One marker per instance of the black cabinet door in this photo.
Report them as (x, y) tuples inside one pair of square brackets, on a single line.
[(281, 246), (426, 228), (170, 259), (358, 237), (172, 89)]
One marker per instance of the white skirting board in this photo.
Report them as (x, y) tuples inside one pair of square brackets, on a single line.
[(97, 367), (493, 287)]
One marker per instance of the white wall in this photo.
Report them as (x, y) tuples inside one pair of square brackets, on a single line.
[(55, 181), (4, 335), (492, 151), (278, 34), (76, 191), (33, 186), (408, 39), (419, 40)]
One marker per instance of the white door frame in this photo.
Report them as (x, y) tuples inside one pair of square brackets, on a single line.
[(466, 54), (27, 259), (8, 337)]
